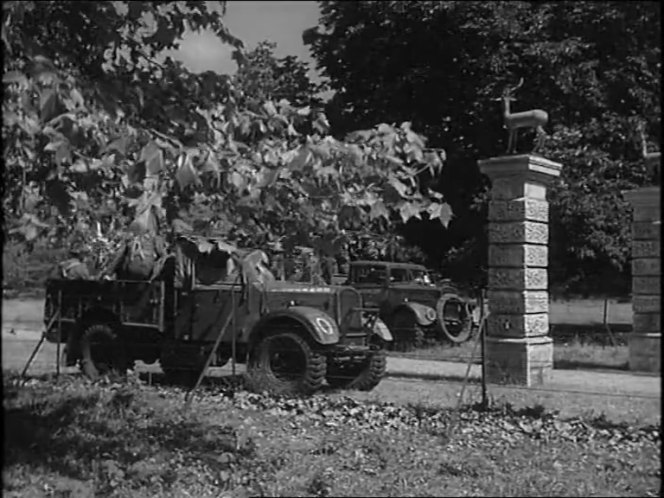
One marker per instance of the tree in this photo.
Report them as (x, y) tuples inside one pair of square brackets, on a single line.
[(98, 133), (594, 67), (262, 76)]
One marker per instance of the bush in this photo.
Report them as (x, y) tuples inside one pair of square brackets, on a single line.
[(27, 270)]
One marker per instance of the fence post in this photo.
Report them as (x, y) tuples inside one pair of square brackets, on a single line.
[(485, 398)]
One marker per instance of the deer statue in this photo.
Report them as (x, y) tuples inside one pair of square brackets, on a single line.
[(535, 119)]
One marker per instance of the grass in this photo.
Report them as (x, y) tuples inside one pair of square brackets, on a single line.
[(73, 438), (574, 351)]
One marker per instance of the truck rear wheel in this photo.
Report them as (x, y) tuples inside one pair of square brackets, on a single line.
[(408, 334), (286, 363), (102, 352), (362, 376)]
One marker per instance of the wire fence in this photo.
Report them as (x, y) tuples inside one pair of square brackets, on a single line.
[(457, 364)]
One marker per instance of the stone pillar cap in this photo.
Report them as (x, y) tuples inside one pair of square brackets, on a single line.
[(527, 166)]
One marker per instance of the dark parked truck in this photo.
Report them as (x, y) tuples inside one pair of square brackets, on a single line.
[(214, 302), (411, 304)]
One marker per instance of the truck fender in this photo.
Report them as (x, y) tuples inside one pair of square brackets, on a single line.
[(381, 330), (424, 315), (319, 325)]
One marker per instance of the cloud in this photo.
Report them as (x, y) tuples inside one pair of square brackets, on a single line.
[(204, 51), (279, 21)]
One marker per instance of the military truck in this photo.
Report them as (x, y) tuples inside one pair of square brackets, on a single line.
[(411, 304), (215, 302)]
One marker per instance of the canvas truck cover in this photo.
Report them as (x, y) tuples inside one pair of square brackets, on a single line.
[(212, 261)]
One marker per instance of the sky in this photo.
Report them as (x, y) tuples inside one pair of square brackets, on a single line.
[(253, 21)]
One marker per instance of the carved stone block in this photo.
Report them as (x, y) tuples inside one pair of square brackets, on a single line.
[(646, 304), (647, 322), (646, 249), (518, 255), (517, 325), (646, 230), (519, 361), (647, 213), (518, 279), (519, 210), (514, 187), (513, 302), (646, 285), (519, 232), (646, 267), (645, 352)]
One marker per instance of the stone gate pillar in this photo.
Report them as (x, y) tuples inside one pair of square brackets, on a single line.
[(644, 341), (518, 346)]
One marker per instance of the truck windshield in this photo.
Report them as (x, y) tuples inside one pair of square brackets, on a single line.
[(421, 277)]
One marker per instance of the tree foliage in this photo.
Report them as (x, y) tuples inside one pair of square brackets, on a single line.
[(594, 67), (99, 132)]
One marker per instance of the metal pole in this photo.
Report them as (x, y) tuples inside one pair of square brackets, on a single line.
[(606, 322), (485, 399), (227, 323), (41, 341), (57, 359), (233, 329)]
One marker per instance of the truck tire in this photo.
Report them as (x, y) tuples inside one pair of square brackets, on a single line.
[(454, 318), (286, 363), (408, 334), (102, 352), (363, 376)]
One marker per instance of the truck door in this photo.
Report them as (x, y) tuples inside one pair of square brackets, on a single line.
[(211, 307), (216, 294)]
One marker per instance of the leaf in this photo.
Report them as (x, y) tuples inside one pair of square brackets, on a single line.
[(399, 186), (267, 177), (237, 180), (40, 66), (153, 157), (48, 101), (394, 160), (301, 159), (14, 77), (77, 98), (384, 128), (118, 145), (270, 108), (378, 210), (63, 153), (304, 111), (445, 214), (53, 146), (186, 174), (409, 210), (80, 166), (321, 124), (30, 232)]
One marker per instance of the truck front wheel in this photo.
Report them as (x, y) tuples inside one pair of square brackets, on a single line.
[(102, 352), (363, 376), (286, 363)]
